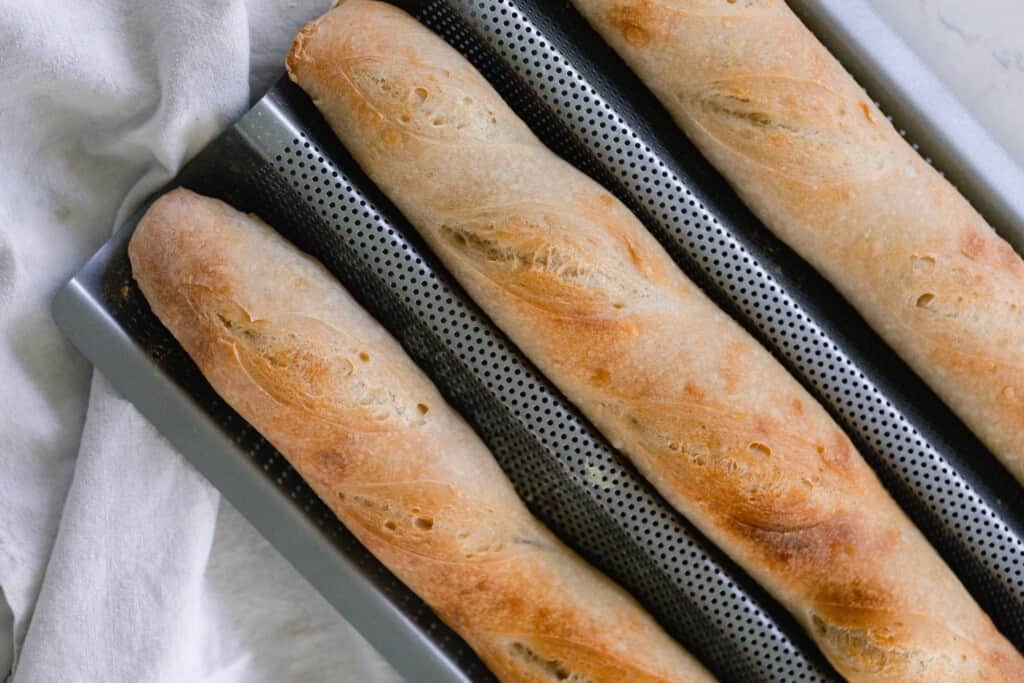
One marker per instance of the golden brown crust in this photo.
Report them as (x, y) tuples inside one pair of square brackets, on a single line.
[(809, 152), (285, 345), (706, 414)]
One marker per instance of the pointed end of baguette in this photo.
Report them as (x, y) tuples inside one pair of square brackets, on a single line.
[(297, 53)]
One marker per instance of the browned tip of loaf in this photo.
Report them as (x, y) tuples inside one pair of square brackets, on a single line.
[(151, 221), (297, 54)]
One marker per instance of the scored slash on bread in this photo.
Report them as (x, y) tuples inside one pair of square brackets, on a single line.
[(706, 414)]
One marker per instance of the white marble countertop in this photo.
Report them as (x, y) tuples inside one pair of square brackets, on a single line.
[(977, 48)]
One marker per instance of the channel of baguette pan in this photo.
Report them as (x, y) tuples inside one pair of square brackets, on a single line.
[(706, 414), (809, 152), (287, 347)]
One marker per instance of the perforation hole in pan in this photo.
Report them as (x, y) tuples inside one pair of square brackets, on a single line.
[(770, 655), (901, 453)]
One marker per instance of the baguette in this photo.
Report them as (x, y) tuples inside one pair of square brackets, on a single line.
[(288, 348), (719, 428), (813, 157)]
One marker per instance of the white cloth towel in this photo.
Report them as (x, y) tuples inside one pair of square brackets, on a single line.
[(118, 562)]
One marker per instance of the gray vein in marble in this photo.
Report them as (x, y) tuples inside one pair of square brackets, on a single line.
[(969, 38), (1010, 59)]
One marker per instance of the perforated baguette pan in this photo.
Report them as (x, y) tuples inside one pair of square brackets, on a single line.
[(282, 163)]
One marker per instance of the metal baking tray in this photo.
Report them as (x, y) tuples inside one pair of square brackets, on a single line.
[(281, 162)]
